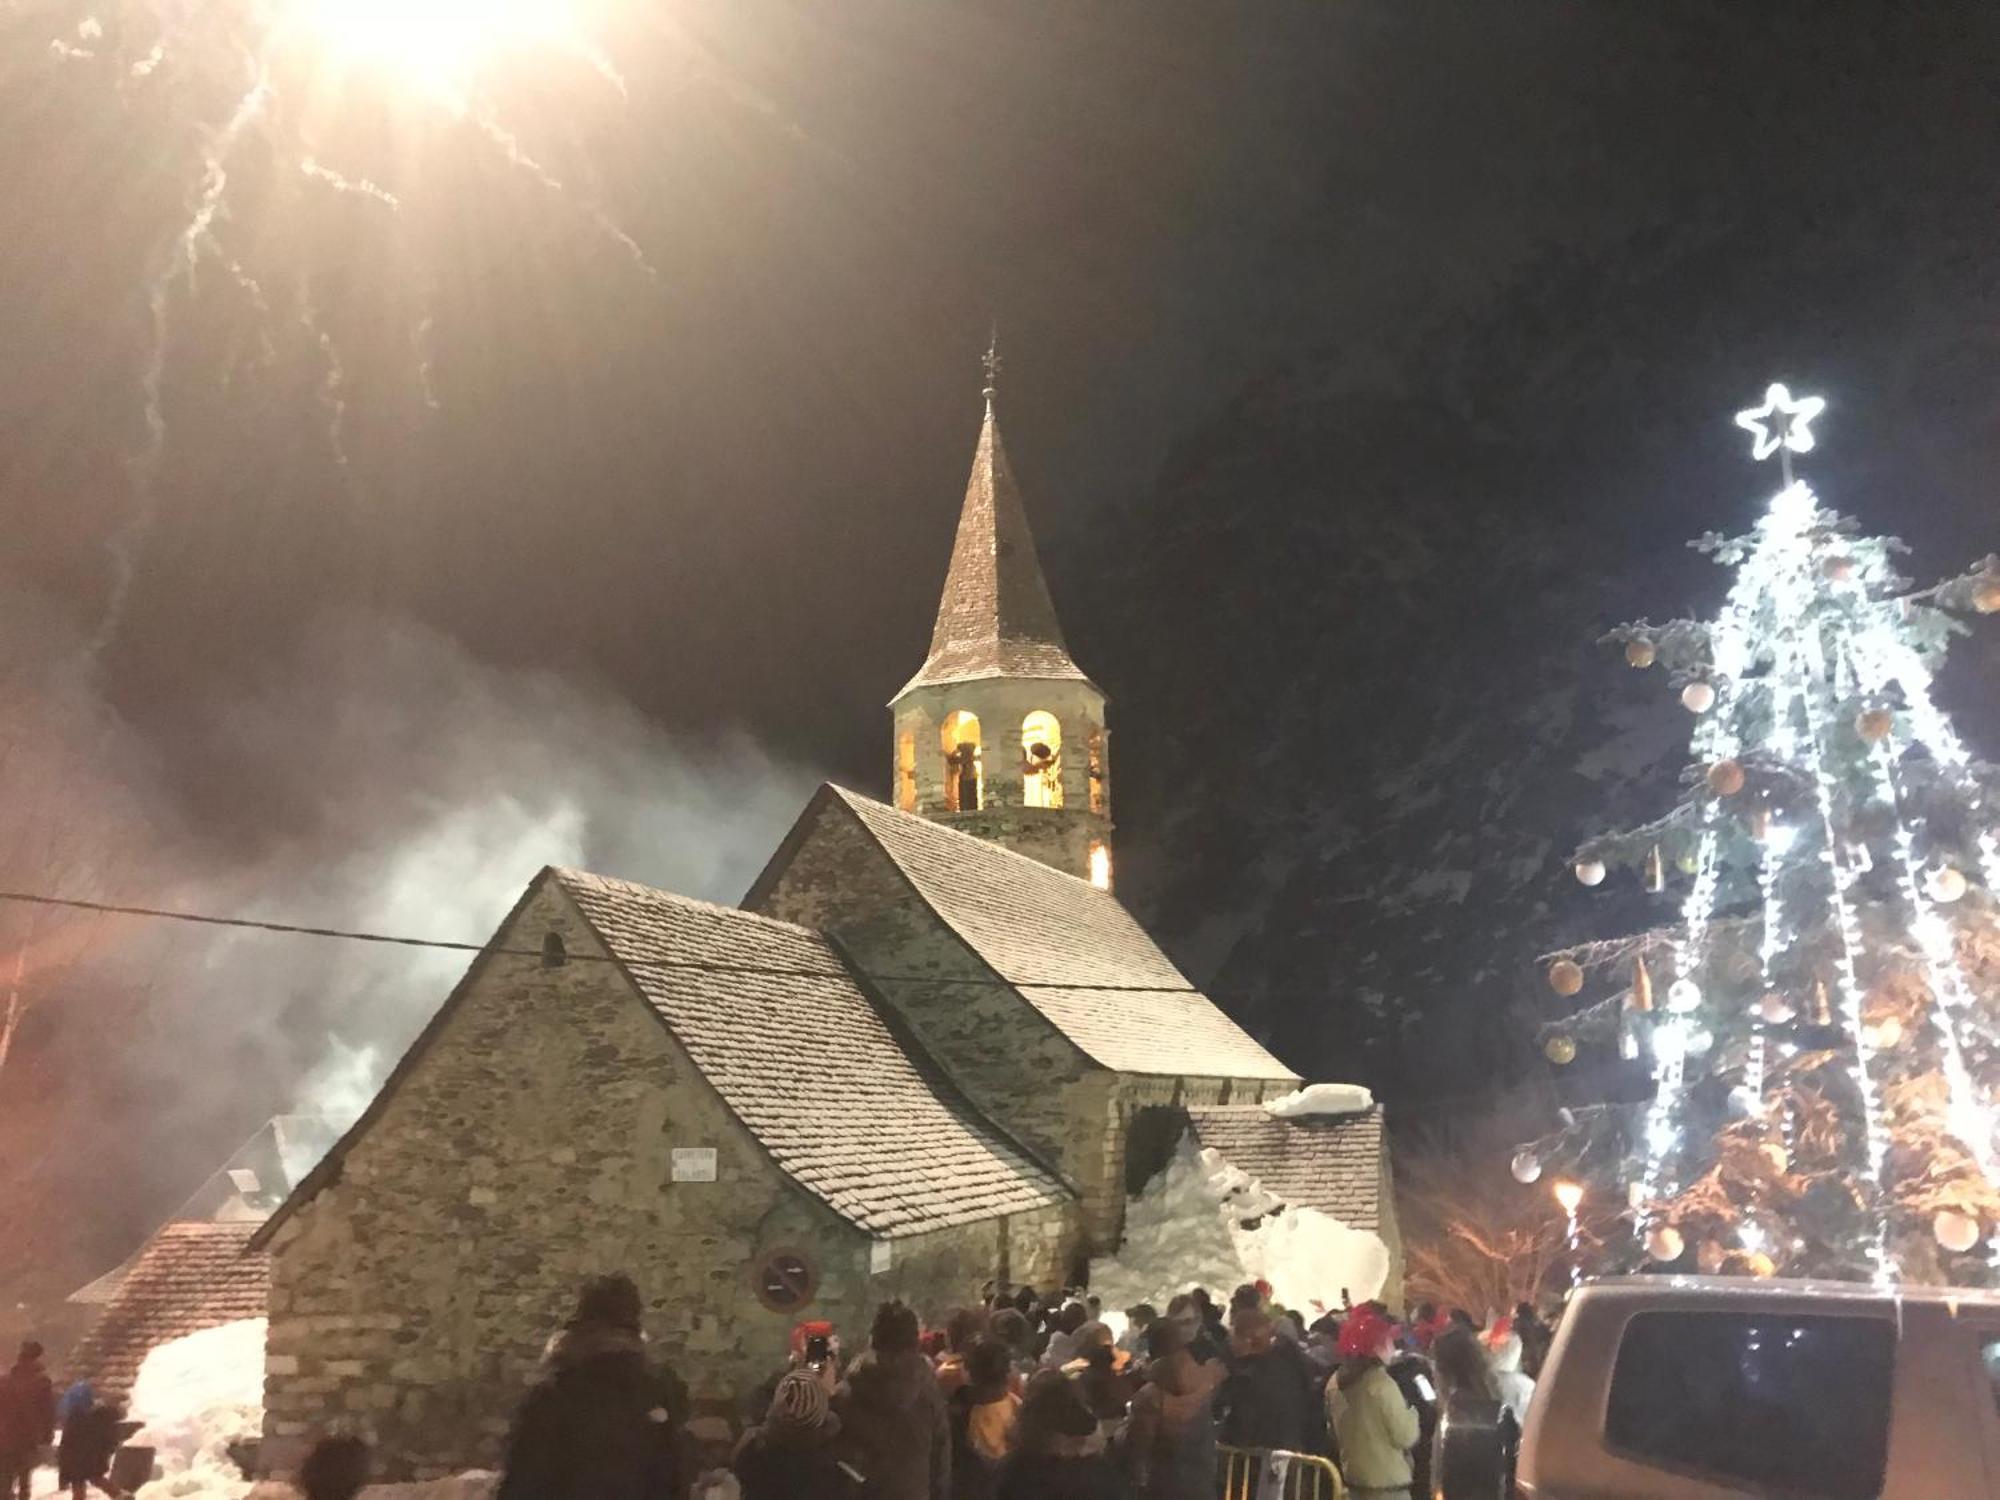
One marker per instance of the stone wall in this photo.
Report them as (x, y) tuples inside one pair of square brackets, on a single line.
[(526, 1150)]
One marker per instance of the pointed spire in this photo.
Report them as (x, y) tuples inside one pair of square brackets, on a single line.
[(996, 618)]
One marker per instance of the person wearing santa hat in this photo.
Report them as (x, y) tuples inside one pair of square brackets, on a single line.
[(1503, 1353), (1375, 1427)]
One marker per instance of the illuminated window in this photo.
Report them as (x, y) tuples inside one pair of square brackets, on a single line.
[(906, 771), (1096, 751), (1100, 864), (1041, 760), (964, 776)]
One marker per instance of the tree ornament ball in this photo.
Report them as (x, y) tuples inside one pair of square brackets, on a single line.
[(1640, 654), (1873, 725), (1986, 596), (1698, 697), (1945, 884), (1725, 778), (1776, 1008), (1560, 1050), (1590, 872), (1839, 569), (1683, 995), (1664, 1243), (1757, 1263), (1526, 1166), (1566, 977), (1955, 1231), (1709, 1257)]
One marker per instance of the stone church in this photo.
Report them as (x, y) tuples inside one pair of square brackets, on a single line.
[(929, 1050)]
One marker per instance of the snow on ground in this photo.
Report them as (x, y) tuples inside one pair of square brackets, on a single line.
[(195, 1396), (1322, 1099), (1186, 1229), (198, 1394)]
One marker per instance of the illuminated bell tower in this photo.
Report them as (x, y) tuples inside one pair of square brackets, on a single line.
[(1000, 734)]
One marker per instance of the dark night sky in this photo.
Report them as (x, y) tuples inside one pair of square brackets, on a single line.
[(470, 542), (729, 490)]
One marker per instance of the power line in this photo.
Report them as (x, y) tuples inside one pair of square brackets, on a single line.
[(711, 966)]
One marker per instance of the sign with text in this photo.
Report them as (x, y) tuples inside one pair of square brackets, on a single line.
[(694, 1163)]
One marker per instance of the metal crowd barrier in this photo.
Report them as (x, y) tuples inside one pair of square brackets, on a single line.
[(1307, 1475)]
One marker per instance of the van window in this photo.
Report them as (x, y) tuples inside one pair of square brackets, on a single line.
[(1789, 1405)]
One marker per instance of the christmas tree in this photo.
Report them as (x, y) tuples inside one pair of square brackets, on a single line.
[(1815, 1034)]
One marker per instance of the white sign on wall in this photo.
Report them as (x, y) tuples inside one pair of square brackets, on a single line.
[(694, 1163), (881, 1256)]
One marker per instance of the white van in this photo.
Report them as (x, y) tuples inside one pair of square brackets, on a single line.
[(1725, 1388)]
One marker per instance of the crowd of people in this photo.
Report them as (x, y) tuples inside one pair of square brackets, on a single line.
[(1021, 1396), (1024, 1396)]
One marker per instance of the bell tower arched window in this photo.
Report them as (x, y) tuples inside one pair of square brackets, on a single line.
[(1041, 760), (906, 771), (964, 775)]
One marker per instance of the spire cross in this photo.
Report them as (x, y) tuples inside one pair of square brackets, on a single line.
[(991, 364)]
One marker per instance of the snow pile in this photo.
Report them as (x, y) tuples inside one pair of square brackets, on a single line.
[(195, 1396), (1187, 1229), (1322, 1099)]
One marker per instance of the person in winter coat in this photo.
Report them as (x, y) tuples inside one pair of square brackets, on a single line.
[(984, 1414), (896, 1432), (1059, 1456), (27, 1420), (791, 1457), (1503, 1353), (1264, 1402), (601, 1424), (1171, 1435), (89, 1439), (1375, 1427)]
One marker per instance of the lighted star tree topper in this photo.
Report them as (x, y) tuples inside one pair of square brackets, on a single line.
[(1815, 1031)]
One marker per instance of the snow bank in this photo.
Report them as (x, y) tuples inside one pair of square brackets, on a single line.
[(1322, 1099), (1187, 1229), (199, 1394), (195, 1396)]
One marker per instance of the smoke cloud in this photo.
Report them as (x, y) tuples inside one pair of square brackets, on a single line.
[(387, 781)]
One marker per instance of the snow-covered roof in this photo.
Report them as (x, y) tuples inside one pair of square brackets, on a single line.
[(1335, 1162), (1071, 950)]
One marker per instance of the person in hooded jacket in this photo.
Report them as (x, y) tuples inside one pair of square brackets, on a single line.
[(792, 1457), (601, 1424), (984, 1414), (89, 1440), (1060, 1453), (27, 1420), (896, 1434), (1374, 1426), (1265, 1401), (1170, 1437)]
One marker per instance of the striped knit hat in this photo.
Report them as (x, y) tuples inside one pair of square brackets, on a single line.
[(799, 1401)]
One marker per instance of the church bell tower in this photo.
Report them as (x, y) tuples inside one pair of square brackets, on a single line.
[(1000, 734)]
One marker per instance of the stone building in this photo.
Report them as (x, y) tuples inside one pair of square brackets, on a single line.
[(931, 1050)]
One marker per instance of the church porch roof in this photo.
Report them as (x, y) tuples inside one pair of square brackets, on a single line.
[(1330, 1162)]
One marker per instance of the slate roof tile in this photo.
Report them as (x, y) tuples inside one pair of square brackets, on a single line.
[(1329, 1162), (845, 1105), (996, 618), (190, 1276), (1036, 926)]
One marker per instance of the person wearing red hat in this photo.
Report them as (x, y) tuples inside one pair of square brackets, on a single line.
[(1376, 1428)]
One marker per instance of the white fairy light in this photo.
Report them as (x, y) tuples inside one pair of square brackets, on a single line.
[(1780, 422)]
